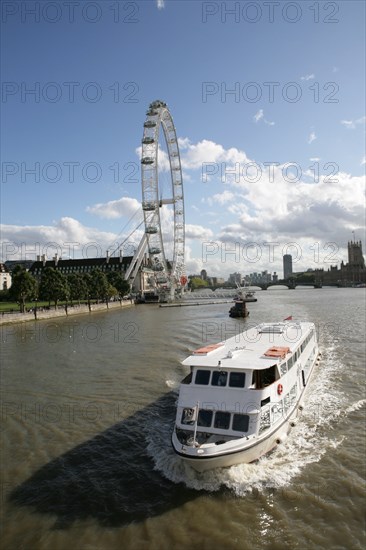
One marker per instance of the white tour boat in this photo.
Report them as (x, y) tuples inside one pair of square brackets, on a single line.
[(243, 395)]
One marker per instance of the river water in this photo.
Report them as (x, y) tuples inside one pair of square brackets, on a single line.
[(87, 413)]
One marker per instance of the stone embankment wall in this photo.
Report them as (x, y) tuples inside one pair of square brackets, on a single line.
[(10, 318)]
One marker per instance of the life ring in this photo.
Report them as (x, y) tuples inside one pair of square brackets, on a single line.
[(279, 389)]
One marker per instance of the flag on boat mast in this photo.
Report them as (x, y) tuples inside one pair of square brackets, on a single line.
[(288, 318)]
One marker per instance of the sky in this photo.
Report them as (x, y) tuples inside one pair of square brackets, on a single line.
[(268, 102)]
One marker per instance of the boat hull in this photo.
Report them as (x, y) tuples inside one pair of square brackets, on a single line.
[(245, 456)]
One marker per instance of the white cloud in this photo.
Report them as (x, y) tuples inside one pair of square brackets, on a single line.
[(160, 4), (312, 137), (68, 237), (310, 212), (183, 143), (198, 232), (195, 155), (125, 206), (351, 124), (223, 198), (363, 160), (308, 77), (259, 115)]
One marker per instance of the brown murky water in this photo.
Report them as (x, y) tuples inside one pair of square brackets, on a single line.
[(87, 412)]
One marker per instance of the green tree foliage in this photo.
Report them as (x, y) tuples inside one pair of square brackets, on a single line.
[(23, 287), (119, 283), (78, 287), (197, 282), (54, 286), (99, 285)]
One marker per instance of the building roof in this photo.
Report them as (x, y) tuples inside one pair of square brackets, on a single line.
[(82, 262)]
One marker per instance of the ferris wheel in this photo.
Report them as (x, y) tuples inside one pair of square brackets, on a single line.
[(169, 273)]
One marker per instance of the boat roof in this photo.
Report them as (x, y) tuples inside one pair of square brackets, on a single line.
[(259, 347)]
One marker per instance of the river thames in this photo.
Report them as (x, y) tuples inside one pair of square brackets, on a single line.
[(88, 407)]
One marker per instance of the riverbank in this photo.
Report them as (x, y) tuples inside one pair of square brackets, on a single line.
[(38, 315)]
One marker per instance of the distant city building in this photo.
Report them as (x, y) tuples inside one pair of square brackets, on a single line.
[(355, 256), (287, 266), (235, 278), (218, 281), (275, 277), (12, 264), (5, 277), (352, 273), (87, 265), (203, 274)]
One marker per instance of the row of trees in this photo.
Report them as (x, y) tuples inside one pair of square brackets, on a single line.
[(55, 286)]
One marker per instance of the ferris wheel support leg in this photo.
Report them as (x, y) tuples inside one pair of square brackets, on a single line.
[(137, 259), (172, 293)]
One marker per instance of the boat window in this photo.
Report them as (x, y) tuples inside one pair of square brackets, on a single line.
[(240, 422), (265, 377), (283, 368), (219, 378), (203, 377), (204, 418), (187, 379), (290, 362), (188, 416), (222, 420), (237, 380)]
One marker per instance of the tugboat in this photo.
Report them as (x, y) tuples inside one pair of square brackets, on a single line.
[(244, 295), (240, 401)]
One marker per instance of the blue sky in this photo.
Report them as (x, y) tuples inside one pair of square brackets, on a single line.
[(286, 149)]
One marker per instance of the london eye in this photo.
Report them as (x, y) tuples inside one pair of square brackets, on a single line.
[(169, 272)]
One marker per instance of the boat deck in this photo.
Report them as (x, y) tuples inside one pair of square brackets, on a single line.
[(252, 348)]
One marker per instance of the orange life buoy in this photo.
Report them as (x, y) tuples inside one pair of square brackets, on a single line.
[(279, 389)]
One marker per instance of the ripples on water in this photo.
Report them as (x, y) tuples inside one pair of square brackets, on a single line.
[(76, 480)]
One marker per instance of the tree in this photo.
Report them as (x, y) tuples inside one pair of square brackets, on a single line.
[(99, 285), (78, 287), (54, 286), (197, 282), (120, 284), (88, 282), (23, 287)]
